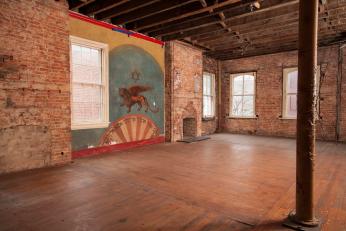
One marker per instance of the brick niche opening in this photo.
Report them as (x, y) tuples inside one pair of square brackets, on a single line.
[(189, 127)]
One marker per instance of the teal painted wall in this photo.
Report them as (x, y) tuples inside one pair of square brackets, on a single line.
[(128, 66), (82, 139)]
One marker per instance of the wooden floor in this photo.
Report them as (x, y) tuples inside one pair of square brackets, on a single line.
[(230, 182)]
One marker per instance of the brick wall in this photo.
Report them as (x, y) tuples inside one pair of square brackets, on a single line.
[(269, 95), (34, 84), (168, 90), (210, 65), (343, 98), (184, 82)]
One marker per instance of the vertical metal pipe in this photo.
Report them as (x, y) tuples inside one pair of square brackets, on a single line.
[(307, 68)]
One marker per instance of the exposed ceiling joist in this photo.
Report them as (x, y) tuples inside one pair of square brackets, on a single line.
[(124, 8), (223, 28), (153, 22), (76, 4), (150, 10), (99, 6)]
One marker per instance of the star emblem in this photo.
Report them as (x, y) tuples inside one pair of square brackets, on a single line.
[(135, 75)]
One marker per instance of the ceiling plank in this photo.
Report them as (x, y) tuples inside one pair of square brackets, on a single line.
[(124, 8), (278, 49), (275, 43), (248, 24), (262, 14), (150, 10), (99, 6), (168, 18), (76, 4)]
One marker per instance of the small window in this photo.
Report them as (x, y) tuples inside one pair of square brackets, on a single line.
[(208, 95), (290, 92), (243, 86), (89, 84)]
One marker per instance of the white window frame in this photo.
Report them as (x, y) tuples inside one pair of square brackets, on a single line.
[(212, 95), (232, 76), (104, 78), (285, 72)]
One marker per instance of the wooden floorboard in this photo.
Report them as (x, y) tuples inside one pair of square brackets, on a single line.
[(230, 182)]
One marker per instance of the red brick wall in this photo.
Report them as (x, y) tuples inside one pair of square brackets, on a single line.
[(269, 94), (343, 98), (211, 65), (35, 84), (183, 88), (168, 90)]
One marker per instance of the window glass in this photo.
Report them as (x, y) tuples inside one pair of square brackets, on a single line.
[(243, 95), (208, 95), (290, 91), (88, 85)]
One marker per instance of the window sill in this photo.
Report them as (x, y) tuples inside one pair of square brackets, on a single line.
[(249, 117), (89, 126), (287, 118), (208, 118), (293, 118)]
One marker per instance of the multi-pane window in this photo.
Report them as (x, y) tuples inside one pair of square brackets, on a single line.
[(290, 90), (243, 95), (208, 95), (89, 83)]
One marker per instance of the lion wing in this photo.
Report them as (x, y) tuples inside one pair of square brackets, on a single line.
[(135, 90)]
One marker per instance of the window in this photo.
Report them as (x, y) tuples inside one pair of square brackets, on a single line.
[(208, 95), (89, 84), (243, 95), (290, 90)]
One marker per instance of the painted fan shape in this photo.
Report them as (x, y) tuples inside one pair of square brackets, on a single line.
[(130, 128)]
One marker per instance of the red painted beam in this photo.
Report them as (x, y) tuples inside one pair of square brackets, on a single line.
[(116, 147), (114, 28)]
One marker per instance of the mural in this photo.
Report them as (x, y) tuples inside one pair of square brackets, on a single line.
[(130, 128), (131, 96), (136, 106), (136, 88), (135, 85), (136, 96)]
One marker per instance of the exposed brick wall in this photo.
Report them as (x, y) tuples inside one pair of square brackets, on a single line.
[(269, 94), (211, 65), (186, 87), (35, 84), (168, 90), (342, 136)]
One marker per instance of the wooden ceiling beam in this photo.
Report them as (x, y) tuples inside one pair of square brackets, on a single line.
[(273, 41), (100, 5), (253, 32), (277, 49), (198, 31), (123, 9), (150, 10), (233, 7), (76, 4), (189, 25), (241, 25), (214, 17), (284, 48), (165, 18), (172, 13), (254, 35), (262, 14), (250, 22)]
